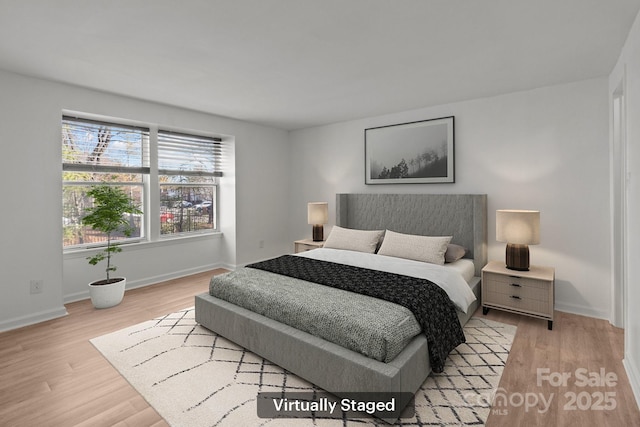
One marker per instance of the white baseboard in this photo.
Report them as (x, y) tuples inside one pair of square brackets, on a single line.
[(634, 377), (173, 275), (31, 319), (152, 280), (583, 311)]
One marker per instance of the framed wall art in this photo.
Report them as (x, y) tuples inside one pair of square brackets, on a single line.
[(410, 153)]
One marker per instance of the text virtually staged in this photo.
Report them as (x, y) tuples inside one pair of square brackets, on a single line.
[(325, 405)]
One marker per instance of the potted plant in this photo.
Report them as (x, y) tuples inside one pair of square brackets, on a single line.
[(107, 215)]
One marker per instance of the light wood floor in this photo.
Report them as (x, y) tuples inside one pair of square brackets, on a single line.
[(50, 375)]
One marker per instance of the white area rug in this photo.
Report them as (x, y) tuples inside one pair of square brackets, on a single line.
[(194, 377)]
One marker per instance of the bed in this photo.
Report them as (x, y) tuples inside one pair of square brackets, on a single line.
[(336, 368)]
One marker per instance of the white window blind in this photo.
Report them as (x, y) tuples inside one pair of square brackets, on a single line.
[(94, 146), (189, 155)]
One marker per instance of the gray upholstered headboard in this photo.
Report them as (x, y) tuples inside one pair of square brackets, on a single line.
[(463, 216)]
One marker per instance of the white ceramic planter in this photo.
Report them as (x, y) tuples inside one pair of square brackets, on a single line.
[(105, 296)]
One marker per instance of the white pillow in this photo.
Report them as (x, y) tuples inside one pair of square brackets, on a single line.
[(353, 240), (418, 248)]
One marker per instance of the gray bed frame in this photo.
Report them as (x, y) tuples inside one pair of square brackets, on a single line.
[(332, 367)]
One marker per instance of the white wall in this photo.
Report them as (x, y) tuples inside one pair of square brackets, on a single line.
[(31, 172), (628, 69), (543, 149)]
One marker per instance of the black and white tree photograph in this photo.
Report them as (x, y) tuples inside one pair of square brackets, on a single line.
[(410, 153)]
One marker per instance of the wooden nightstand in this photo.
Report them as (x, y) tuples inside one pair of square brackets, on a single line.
[(530, 293), (306, 245)]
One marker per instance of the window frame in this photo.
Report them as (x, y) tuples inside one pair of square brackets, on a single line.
[(151, 232), (195, 159), (141, 168)]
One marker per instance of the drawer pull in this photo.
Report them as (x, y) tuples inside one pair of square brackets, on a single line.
[(515, 297), (516, 285)]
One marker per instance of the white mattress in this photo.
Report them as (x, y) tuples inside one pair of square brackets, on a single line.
[(465, 267), (448, 278)]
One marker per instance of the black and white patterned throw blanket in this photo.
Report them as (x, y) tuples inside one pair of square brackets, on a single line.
[(429, 303)]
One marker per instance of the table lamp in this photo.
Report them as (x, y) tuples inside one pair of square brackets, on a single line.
[(518, 228), (317, 215)]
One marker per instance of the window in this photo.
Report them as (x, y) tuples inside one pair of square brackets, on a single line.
[(98, 152), (188, 171)]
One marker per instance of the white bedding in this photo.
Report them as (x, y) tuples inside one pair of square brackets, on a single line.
[(465, 267), (448, 278)]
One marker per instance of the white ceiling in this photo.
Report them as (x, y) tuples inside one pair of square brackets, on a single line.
[(300, 63)]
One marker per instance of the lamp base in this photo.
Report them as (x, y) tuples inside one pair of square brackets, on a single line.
[(517, 257), (318, 233)]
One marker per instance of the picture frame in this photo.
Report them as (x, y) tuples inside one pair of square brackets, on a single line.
[(420, 152)]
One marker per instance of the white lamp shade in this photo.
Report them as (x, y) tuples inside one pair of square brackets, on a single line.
[(518, 227), (318, 213)]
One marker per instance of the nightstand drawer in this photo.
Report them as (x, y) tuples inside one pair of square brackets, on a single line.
[(517, 286), (301, 247), (516, 302), (522, 281), (307, 245)]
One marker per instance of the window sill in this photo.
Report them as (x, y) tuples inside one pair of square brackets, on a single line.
[(163, 241)]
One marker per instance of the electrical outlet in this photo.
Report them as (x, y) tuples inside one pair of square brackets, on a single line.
[(261, 244), (36, 286)]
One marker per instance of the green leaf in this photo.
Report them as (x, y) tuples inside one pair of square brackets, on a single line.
[(107, 215)]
